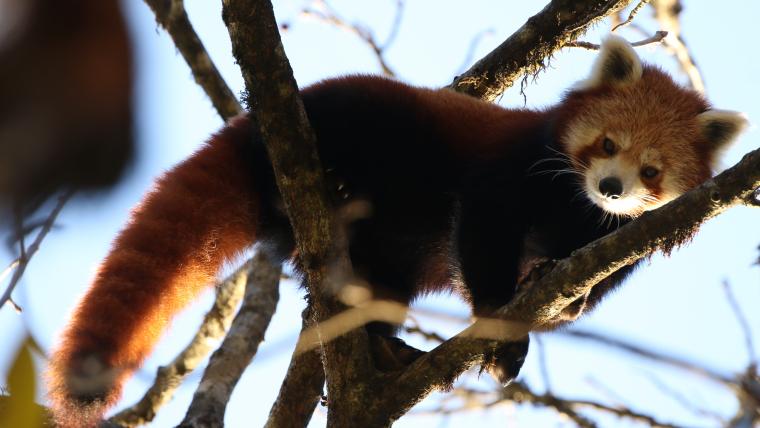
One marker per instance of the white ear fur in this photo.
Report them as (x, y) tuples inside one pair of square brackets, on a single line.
[(617, 64), (720, 128)]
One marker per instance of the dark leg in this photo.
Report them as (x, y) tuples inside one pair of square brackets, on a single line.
[(387, 266), (505, 362), (489, 243), (389, 352)]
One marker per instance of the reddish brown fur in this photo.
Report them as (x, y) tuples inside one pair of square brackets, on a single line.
[(479, 213), (634, 105), (188, 226), (591, 151), (665, 123)]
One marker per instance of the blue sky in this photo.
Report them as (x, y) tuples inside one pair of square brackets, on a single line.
[(675, 305)]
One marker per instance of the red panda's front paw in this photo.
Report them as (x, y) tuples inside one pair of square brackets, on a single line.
[(504, 363)]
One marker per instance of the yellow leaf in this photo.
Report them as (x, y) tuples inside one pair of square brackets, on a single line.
[(18, 409)]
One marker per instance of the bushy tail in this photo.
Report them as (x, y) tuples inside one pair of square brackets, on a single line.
[(200, 214)]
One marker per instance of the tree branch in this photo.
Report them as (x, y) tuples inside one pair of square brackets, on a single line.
[(658, 37), (302, 388), (171, 15), (168, 378), (26, 254), (631, 15), (229, 362), (651, 355), (525, 51), (520, 393), (743, 323), (291, 146), (667, 13)]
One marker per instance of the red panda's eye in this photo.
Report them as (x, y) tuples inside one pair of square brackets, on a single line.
[(649, 172), (609, 146)]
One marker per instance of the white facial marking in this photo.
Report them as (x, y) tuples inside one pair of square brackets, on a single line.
[(635, 197), (627, 202)]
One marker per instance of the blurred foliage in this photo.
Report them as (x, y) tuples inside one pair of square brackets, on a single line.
[(66, 89), (17, 405)]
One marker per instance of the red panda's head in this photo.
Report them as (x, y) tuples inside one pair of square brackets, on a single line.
[(638, 138)]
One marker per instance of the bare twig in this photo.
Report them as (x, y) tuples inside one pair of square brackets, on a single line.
[(745, 387), (229, 361), (743, 323), (649, 354), (471, 399), (27, 253), (168, 378), (172, 16), (667, 13), (16, 306), (623, 413), (14, 264), (428, 335), (658, 37), (473, 47), (684, 402), (748, 414), (322, 11), (542, 361), (350, 319), (606, 391), (395, 26), (520, 393), (631, 15)]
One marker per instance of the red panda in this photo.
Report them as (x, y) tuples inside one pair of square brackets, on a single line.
[(462, 192)]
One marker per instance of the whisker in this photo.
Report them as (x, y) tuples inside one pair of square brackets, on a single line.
[(569, 157), (559, 172), (577, 194), (541, 161)]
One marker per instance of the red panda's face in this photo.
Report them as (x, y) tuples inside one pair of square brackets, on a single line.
[(638, 138)]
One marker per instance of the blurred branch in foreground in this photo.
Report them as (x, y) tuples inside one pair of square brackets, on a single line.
[(19, 265)]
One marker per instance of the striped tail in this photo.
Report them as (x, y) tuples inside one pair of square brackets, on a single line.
[(201, 214)]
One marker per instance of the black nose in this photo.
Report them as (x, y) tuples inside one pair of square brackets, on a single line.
[(611, 187)]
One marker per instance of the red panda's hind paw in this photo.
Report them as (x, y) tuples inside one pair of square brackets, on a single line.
[(391, 353), (504, 363)]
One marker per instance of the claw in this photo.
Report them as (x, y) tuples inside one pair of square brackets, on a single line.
[(506, 361)]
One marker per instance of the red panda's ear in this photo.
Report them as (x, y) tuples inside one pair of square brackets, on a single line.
[(617, 65), (719, 128)]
